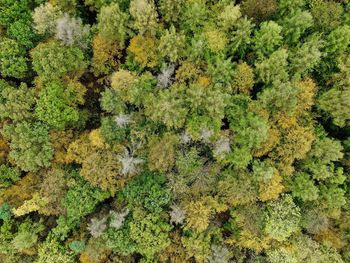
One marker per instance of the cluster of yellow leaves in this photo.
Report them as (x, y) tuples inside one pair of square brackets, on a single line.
[(100, 165), (144, 50), (199, 212), (162, 153), (106, 55), (271, 189)]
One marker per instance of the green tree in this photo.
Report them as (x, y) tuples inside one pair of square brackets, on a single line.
[(112, 23), (338, 40), (30, 145), (171, 10), (167, 107), (241, 36), (267, 39), (304, 58), (146, 191), (327, 14), (51, 251), (283, 217), (13, 62), (334, 102), (11, 10), (295, 24), (145, 16), (22, 31), (172, 44), (290, 6), (274, 68), (304, 188), (8, 176), (52, 60), (150, 233), (45, 17), (17, 103), (58, 103), (27, 235)]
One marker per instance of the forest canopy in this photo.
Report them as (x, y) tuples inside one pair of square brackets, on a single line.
[(174, 131)]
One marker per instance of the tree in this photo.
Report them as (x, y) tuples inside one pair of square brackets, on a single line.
[(334, 102), (338, 40), (303, 187), (22, 31), (249, 129), (267, 39), (282, 219), (121, 82), (275, 98), (8, 176), (97, 227), (150, 233), (162, 152), (45, 17), (27, 235), (304, 58), (241, 36), (71, 31), (327, 15), (13, 63), (243, 79), (144, 50), (171, 10), (194, 16), (52, 60), (197, 244), (295, 25), (274, 68), (51, 251), (259, 10), (30, 145), (17, 104), (147, 191), (290, 6), (112, 23), (11, 10), (216, 39), (106, 55), (58, 103), (172, 44), (145, 16), (100, 166), (167, 107), (229, 16), (53, 189), (198, 213)]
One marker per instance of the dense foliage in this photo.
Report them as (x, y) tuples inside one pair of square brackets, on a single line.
[(174, 131)]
